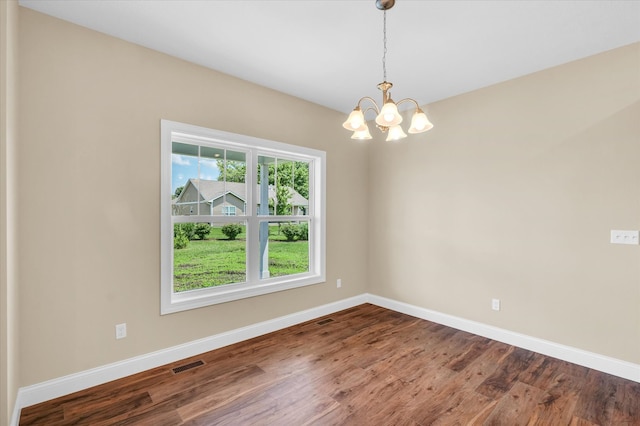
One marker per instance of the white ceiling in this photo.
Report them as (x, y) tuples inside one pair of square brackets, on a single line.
[(330, 52)]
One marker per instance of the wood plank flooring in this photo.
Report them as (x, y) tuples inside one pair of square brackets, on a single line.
[(363, 366)]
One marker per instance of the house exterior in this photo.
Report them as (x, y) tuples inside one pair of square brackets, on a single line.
[(220, 198)]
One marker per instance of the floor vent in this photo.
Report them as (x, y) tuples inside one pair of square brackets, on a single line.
[(325, 321), (187, 367)]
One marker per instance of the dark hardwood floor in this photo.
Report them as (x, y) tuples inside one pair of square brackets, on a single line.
[(363, 366)]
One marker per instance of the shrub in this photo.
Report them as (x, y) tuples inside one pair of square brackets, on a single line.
[(189, 230), (295, 232), (303, 231), (290, 231), (180, 239), (202, 230), (231, 230)]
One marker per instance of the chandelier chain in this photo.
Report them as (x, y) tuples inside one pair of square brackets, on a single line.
[(384, 50)]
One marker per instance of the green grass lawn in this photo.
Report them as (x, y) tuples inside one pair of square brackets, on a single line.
[(217, 261)]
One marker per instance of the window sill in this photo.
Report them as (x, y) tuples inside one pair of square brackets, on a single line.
[(227, 293)]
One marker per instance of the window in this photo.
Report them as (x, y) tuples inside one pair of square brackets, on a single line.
[(240, 216), (229, 210)]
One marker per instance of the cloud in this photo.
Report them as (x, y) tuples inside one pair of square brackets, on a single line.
[(209, 163), (180, 160)]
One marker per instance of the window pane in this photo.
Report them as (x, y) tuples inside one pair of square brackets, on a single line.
[(210, 159), (222, 182), (285, 184), (236, 167), (207, 256), (284, 248), (301, 186), (184, 173)]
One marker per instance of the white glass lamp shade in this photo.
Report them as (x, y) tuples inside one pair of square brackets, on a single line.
[(389, 115), (396, 133), (362, 134), (419, 122), (355, 122)]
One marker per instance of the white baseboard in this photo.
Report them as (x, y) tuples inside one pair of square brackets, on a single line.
[(616, 367), (55, 388)]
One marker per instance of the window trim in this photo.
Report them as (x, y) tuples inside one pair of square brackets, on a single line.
[(171, 302)]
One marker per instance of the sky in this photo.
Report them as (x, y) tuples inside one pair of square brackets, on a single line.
[(185, 167)]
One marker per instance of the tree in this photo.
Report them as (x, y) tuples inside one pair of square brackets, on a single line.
[(232, 171), (301, 178), (180, 239), (283, 195), (289, 174), (178, 191), (292, 174)]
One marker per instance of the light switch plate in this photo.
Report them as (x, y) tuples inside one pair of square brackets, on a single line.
[(624, 237), (121, 331), (495, 304)]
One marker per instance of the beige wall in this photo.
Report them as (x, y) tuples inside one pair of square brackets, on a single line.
[(512, 195), (9, 364), (90, 132)]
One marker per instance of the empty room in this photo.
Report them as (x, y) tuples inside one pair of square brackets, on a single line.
[(355, 212)]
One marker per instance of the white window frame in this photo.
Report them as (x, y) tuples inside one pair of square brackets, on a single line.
[(171, 301)]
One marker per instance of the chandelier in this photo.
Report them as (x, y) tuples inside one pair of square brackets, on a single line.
[(388, 118)]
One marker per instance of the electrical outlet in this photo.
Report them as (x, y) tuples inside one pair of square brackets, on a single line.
[(624, 237), (121, 331), (495, 304), (339, 283)]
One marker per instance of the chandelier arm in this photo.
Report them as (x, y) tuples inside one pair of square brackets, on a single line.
[(364, 112), (409, 100), (373, 102)]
